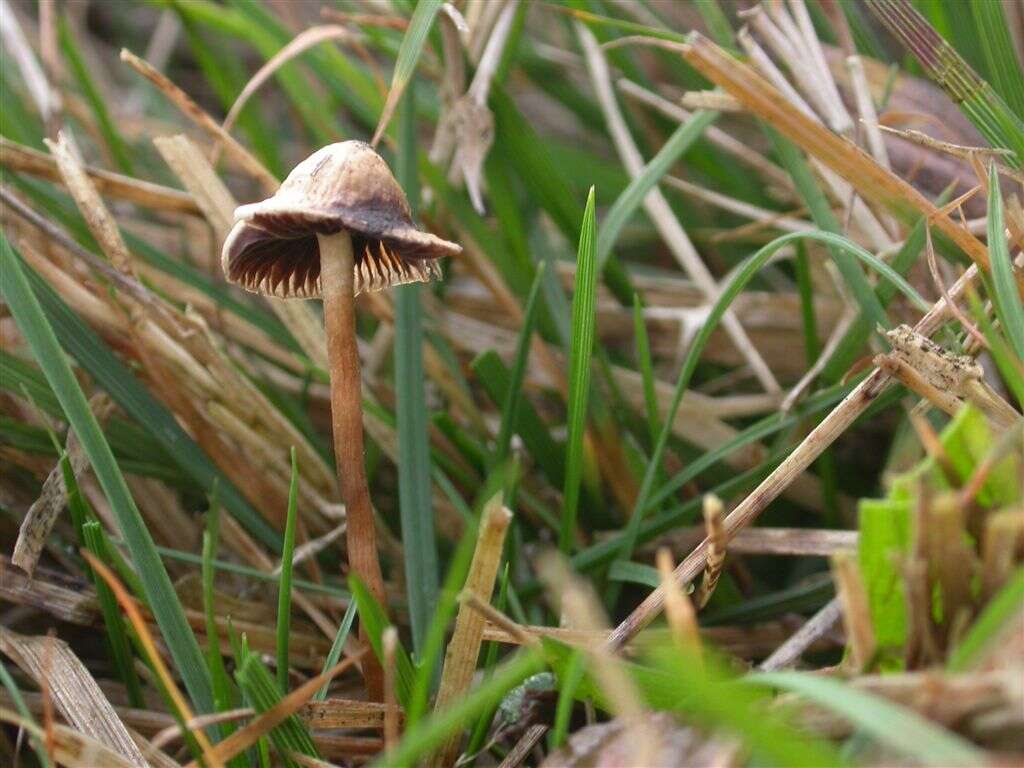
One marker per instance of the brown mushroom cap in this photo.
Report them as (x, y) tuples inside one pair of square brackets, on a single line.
[(273, 247)]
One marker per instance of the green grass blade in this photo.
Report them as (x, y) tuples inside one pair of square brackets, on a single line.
[(798, 168), (23, 710), (549, 454), (284, 588), (1011, 367), (415, 500), (433, 648), (163, 600), (337, 646), (412, 46), (430, 733), (993, 35), (633, 195), (116, 635), (899, 728), (583, 321), (1005, 295), (513, 393), (643, 354), (262, 692), (989, 626), (374, 622)]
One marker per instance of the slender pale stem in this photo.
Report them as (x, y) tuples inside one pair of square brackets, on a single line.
[(337, 283)]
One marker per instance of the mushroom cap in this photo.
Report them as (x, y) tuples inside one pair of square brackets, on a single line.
[(273, 247)]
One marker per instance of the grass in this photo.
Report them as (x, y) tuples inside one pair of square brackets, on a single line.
[(567, 368)]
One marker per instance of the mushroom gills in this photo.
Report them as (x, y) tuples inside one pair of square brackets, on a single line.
[(259, 267)]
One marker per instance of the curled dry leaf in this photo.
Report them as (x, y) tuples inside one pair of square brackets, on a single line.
[(41, 516)]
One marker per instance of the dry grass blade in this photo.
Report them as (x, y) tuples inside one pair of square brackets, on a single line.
[(389, 642), (870, 179), (343, 713), (308, 38), (72, 689), (102, 225), (245, 737), (238, 154), (464, 647), (21, 159), (41, 516), (819, 624), (68, 747), (853, 597), (146, 641), (714, 510)]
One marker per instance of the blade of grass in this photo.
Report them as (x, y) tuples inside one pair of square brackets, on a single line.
[(976, 98), (643, 355), (807, 187), (337, 646), (549, 455), (993, 35), (989, 626), (375, 622), (433, 731), (160, 592), (681, 140), (284, 587), (19, 704), (899, 728), (412, 46), (1010, 366), (291, 735), (510, 405), (583, 321), (116, 636), (426, 674), (419, 541), (1005, 295), (224, 694)]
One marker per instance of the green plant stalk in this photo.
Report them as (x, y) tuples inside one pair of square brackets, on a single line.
[(513, 393), (415, 498), (433, 648), (289, 736), (899, 728), (433, 731), (988, 627), (284, 589), (116, 635), (1005, 294), (23, 710), (583, 304), (337, 646), (163, 600)]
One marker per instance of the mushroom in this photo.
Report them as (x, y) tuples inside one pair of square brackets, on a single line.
[(339, 225)]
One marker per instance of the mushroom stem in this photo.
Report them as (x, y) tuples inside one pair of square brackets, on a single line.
[(337, 281)]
